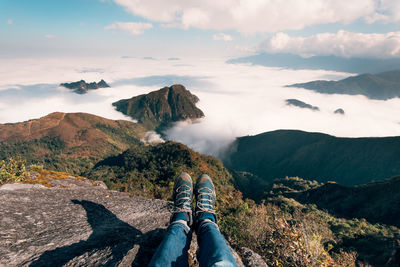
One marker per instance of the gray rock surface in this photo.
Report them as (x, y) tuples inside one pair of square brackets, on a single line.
[(252, 259), (79, 226)]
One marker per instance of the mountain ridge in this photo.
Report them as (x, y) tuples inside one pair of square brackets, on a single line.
[(377, 201), (300, 104), (335, 63), (381, 86), (68, 140), (316, 156), (68, 126), (82, 87)]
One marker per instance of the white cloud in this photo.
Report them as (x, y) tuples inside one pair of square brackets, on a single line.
[(386, 11), (342, 43), (50, 36), (253, 16), (10, 21), (238, 100), (222, 37), (151, 137), (134, 28)]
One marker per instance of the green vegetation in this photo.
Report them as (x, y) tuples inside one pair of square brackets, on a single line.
[(126, 136), (12, 170), (150, 170), (50, 152), (277, 235), (316, 156), (15, 170), (376, 202), (289, 221), (159, 108), (283, 231), (370, 242), (288, 233), (26, 149), (251, 186), (75, 141)]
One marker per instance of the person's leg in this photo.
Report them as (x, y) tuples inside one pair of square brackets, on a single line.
[(213, 250), (173, 250)]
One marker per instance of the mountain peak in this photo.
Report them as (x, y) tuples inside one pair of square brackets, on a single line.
[(162, 107), (82, 87)]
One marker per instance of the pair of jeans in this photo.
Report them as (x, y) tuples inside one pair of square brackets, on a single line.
[(173, 250)]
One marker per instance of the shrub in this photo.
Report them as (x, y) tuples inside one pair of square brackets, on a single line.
[(12, 170), (35, 167), (275, 235)]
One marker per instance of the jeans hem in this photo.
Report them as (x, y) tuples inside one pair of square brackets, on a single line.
[(185, 227), (204, 223)]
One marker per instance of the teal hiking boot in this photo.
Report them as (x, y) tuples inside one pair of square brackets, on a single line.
[(205, 198), (182, 196)]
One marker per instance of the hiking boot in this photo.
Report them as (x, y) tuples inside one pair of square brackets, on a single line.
[(205, 198), (182, 196)]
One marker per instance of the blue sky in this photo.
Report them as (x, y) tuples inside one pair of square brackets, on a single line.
[(77, 27), (161, 28)]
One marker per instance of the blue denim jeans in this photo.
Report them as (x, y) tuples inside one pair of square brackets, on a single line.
[(173, 250)]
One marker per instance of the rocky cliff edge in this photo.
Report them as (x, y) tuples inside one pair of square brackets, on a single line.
[(78, 222)]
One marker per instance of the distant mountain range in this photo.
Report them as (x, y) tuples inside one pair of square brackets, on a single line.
[(316, 156), (352, 65), (300, 104), (158, 109), (381, 86), (82, 87)]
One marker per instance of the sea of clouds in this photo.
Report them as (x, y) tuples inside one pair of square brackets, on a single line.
[(237, 100)]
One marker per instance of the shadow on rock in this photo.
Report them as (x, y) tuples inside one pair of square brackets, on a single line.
[(108, 244)]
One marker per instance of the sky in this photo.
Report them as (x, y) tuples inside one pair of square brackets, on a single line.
[(138, 46), (177, 28)]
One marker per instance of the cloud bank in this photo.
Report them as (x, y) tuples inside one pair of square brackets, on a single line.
[(342, 44), (386, 11), (134, 28), (261, 16), (237, 100)]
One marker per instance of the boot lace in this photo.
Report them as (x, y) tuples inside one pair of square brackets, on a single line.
[(183, 201), (206, 200)]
